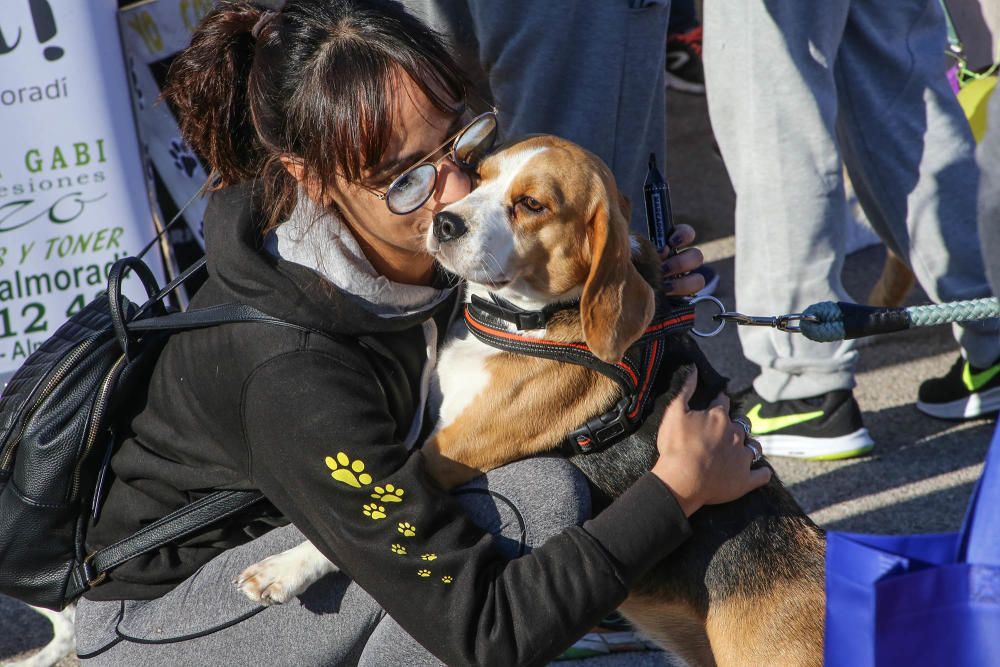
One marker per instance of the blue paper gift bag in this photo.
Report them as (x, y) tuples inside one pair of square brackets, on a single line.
[(916, 600)]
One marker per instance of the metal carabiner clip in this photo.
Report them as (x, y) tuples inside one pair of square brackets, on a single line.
[(786, 323)]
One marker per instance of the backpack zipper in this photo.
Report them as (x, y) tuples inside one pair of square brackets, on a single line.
[(54, 380), (95, 421)]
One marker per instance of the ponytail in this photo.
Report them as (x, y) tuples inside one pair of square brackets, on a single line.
[(207, 86)]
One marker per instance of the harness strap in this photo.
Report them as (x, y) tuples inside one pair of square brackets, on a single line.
[(634, 374)]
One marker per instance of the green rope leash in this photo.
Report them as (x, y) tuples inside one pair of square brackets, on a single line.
[(829, 322)]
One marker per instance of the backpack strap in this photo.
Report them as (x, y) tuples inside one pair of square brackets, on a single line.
[(226, 313), (188, 519)]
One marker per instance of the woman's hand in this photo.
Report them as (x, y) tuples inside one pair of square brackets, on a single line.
[(703, 456), (675, 282)]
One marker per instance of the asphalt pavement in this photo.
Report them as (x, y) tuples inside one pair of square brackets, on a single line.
[(920, 476)]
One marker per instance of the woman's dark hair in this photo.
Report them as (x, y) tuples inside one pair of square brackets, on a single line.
[(312, 81)]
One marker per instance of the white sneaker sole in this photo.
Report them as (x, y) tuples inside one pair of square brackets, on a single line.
[(974, 405), (683, 86), (847, 446)]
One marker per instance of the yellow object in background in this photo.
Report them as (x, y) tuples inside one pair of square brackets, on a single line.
[(974, 98)]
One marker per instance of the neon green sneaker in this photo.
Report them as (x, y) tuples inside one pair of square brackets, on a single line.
[(964, 393), (821, 428)]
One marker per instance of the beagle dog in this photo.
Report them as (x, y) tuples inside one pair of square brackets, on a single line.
[(546, 230)]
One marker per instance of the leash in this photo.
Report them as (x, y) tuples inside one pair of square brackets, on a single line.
[(827, 321), (634, 374)]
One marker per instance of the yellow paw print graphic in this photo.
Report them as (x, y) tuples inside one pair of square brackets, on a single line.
[(389, 494), (446, 579), (349, 472), (429, 556), (399, 549), (424, 573), (406, 528), (374, 511)]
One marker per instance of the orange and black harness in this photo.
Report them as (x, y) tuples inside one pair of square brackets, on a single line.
[(635, 373)]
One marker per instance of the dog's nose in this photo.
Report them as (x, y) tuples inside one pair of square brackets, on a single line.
[(448, 226)]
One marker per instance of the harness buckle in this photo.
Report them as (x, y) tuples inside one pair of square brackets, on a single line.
[(603, 431)]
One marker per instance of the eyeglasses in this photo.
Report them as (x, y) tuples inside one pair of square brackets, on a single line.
[(413, 187)]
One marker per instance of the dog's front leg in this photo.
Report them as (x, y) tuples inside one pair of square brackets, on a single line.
[(279, 578)]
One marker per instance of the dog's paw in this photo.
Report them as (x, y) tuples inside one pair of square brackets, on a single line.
[(274, 580), (279, 578)]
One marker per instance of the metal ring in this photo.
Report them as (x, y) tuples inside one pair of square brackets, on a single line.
[(758, 451), (722, 323), (744, 422)]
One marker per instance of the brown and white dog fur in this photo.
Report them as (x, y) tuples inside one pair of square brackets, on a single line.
[(546, 224)]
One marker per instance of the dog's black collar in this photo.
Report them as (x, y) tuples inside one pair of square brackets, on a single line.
[(524, 320)]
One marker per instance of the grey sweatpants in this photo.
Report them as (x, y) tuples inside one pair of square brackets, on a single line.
[(207, 621), (591, 71), (796, 89)]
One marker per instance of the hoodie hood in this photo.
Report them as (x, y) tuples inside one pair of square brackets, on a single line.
[(246, 272)]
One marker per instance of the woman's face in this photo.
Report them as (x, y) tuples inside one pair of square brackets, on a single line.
[(386, 237)]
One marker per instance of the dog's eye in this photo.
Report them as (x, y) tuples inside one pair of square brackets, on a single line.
[(531, 204)]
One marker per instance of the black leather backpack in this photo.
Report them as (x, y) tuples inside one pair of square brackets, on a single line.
[(57, 434)]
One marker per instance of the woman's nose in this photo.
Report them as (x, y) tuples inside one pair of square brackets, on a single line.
[(452, 183)]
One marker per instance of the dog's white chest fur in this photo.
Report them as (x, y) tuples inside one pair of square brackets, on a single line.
[(461, 374)]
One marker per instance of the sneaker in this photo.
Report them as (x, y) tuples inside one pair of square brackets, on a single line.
[(684, 69), (822, 428), (965, 392), (711, 277)]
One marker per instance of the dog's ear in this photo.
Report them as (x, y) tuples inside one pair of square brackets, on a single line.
[(617, 304)]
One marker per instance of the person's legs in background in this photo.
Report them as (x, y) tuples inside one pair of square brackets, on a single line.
[(910, 153), (908, 150), (773, 103), (591, 71)]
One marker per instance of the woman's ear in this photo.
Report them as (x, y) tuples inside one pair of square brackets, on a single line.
[(294, 167), (312, 186), (617, 304)]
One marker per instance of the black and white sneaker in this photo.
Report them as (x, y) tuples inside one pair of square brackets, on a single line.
[(684, 69), (964, 393), (822, 428)]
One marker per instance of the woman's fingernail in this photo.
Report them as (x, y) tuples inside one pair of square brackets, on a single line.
[(675, 239), (668, 285)]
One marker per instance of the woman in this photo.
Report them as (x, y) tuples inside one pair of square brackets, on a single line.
[(316, 118)]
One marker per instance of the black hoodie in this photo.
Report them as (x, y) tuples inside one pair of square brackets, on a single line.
[(316, 423)]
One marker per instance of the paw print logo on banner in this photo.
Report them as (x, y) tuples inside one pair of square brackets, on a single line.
[(389, 494), (424, 573), (349, 472), (399, 549), (446, 579), (184, 159), (374, 511), (429, 556), (406, 528)]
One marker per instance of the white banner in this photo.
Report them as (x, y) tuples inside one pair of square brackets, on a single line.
[(72, 193), (152, 32)]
